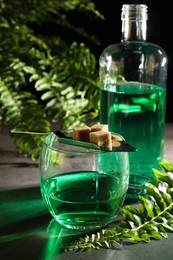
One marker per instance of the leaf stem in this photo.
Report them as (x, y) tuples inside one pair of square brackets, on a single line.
[(14, 131)]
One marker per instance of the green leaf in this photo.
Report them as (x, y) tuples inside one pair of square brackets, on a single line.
[(129, 213), (162, 231), (167, 166), (146, 207), (154, 191), (144, 236)]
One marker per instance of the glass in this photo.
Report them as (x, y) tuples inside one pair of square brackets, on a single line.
[(83, 189), (133, 76)]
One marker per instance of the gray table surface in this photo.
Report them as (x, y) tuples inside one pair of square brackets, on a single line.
[(26, 228)]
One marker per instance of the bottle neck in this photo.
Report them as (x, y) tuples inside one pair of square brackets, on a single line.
[(134, 22)]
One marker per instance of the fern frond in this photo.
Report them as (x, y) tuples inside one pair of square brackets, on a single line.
[(62, 78), (21, 110), (70, 88)]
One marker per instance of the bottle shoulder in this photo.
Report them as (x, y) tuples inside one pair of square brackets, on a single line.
[(137, 47), (138, 61)]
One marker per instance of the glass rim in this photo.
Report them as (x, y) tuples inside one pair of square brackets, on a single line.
[(52, 138)]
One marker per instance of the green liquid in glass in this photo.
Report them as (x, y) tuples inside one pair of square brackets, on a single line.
[(83, 200), (137, 112)]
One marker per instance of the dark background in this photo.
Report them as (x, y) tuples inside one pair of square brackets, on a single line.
[(159, 31)]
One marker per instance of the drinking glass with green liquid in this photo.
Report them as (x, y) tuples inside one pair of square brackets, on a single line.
[(82, 188), (133, 75)]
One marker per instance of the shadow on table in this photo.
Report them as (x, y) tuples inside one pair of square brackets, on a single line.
[(27, 230), (21, 210), (23, 219)]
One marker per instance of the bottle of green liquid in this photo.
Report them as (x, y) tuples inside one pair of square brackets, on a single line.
[(133, 78)]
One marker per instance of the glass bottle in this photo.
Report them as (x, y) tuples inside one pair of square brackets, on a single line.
[(133, 78)]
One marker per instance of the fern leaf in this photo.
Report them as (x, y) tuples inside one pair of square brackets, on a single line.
[(70, 93), (22, 111)]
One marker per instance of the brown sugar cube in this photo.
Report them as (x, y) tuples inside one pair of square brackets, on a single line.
[(116, 137), (102, 139), (116, 143), (81, 133), (116, 140), (99, 127)]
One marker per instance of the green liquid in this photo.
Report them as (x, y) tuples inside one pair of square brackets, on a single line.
[(83, 200), (137, 112)]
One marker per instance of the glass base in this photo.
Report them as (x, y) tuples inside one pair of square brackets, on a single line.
[(135, 187), (85, 225)]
